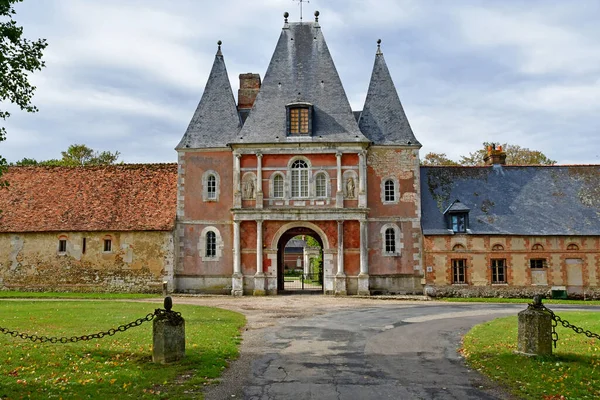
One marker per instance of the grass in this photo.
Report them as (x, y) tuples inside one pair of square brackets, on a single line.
[(510, 300), (573, 371), (111, 367), (74, 295)]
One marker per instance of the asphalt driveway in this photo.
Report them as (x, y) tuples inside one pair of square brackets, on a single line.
[(316, 347)]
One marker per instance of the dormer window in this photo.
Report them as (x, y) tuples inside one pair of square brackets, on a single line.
[(457, 216), (299, 119)]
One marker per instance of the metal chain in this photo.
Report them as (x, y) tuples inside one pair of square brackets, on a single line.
[(172, 316), (556, 319)]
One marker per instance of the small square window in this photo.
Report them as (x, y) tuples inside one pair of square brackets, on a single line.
[(459, 222), (62, 245), (537, 263), (107, 245)]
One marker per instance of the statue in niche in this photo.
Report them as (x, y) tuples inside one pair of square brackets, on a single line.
[(350, 188), (249, 189)]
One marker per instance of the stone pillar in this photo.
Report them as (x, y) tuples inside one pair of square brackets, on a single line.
[(237, 181), (363, 277), (259, 278), (237, 280), (339, 194), (362, 179), (168, 335), (535, 331), (340, 277), (259, 191)]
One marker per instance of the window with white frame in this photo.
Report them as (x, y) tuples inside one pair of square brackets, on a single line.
[(299, 176), (278, 186), (321, 185), (210, 244), (389, 190), (391, 240), (210, 186)]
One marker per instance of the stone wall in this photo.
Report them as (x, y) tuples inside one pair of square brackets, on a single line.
[(136, 262)]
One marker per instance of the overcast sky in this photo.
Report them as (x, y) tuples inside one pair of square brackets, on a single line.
[(127, 75)]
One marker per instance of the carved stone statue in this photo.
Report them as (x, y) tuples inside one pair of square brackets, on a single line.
[(249, 188), (350, 188)]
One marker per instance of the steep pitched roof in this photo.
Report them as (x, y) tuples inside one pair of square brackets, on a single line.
[(383, 119), (216, 121), (301, 70), (100, 198), (514, 200)]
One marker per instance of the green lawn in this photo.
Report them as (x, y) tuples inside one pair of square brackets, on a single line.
[(74, 295), (111, 367), (572, 371), (511, 300)]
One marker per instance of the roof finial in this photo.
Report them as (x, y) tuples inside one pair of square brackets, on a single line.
[(317, 13), (219, 43), (301, 1), (379, 47), (285, 16)]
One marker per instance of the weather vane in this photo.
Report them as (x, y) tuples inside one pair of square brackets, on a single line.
[(301, 1)]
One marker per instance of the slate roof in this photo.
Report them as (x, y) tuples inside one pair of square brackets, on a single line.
[(216, 121), (383, 119), (126, 197), (514, 200), (301, 70)]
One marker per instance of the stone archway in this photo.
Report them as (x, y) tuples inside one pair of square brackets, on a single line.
[(287, 232)]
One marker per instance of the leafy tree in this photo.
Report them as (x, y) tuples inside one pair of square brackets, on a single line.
[(515, 155), (18, 58), (437, 159), (76, 154)]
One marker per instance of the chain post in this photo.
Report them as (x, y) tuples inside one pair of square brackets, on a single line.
[(173, 317)]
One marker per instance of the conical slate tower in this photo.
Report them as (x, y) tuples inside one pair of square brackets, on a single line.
[(383, 119), (216, 121), (301, 71)]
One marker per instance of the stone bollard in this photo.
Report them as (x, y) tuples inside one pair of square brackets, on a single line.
[(535, 330), (168, 336)]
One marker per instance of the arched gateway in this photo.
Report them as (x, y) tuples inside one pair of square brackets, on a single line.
[(307, 280)]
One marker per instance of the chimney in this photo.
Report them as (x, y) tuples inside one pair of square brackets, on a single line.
[(495, 156), (249, 87)]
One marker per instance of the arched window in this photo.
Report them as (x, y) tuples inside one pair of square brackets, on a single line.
[(278, 186), (572, 247), (390, 241), (537, 247), (321, 185), (299, 179), (389, 190), (211, 188), (497, 247), (211, 244), (458, 247)]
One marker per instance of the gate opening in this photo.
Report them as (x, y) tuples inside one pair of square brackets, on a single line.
[(300, 262)]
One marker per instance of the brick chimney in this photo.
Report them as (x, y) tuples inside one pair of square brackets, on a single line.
[(249, 87), (495, 155)]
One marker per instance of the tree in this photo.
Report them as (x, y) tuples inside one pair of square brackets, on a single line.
[(76, 154), (515, 155), (18, 58), (437, 159)]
